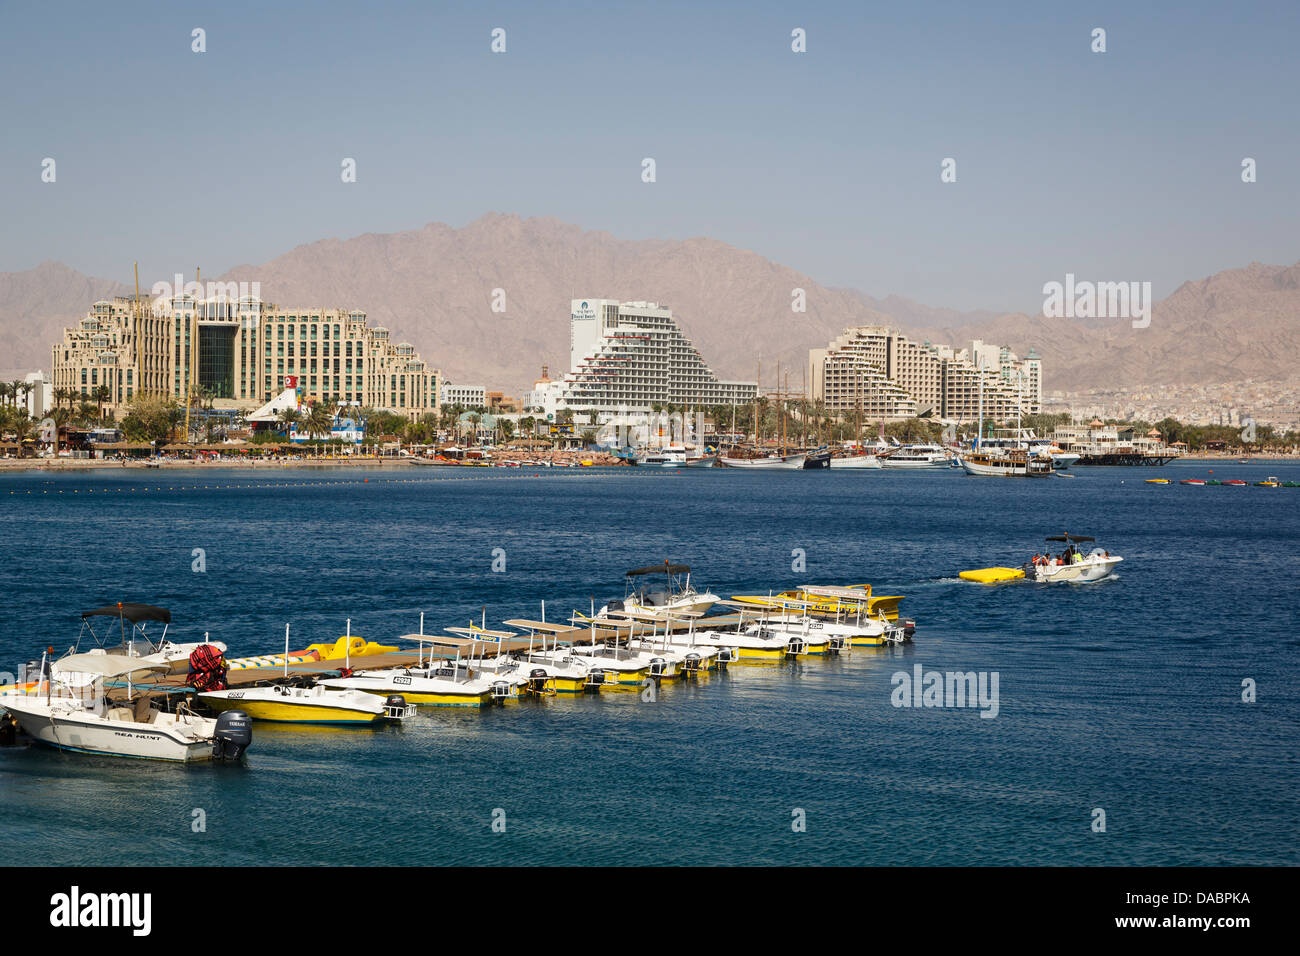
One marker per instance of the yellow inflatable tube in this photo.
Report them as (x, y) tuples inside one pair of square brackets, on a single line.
[(339, 649), (992, 575)]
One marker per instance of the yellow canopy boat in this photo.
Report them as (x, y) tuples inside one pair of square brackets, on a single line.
[(831, 600)]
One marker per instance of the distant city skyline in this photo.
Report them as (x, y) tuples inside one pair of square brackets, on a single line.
[(1115, 166)]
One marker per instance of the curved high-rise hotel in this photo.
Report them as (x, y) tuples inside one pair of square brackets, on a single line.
[(629, 357)]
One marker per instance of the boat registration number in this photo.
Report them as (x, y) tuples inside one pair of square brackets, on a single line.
[(401, 680)]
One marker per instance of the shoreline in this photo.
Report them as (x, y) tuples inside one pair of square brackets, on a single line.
[(271, 464)]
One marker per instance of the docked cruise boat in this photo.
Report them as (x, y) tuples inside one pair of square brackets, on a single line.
[(917, 456), (1006, 463), (770, 462)]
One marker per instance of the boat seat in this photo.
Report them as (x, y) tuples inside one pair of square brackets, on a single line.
[(121, 713)]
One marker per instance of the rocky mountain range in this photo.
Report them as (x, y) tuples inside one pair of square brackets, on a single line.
[(435, 287)]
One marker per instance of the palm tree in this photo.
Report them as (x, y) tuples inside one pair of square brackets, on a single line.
[(101, 394), (317, 420), (287, 418)]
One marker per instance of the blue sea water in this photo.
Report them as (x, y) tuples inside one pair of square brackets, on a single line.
[(1124, 695)]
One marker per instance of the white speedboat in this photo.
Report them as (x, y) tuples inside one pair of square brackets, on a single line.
[(675, 594), (283, 703), (69, 710), (137, 642), (917, 456), (770, 462), (703, 461), (1072, 564)]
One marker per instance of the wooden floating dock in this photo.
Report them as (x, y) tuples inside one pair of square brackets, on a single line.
[(443, 646)]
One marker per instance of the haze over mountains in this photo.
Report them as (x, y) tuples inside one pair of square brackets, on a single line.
[(434, 287)]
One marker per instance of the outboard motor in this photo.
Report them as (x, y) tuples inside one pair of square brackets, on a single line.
[(233, 736), (594, 679), (614, 605), (657, 667), (692, 663), (537, 680), (501, 690), (395, 707)]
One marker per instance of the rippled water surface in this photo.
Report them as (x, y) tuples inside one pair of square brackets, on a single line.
[(1123, 695)]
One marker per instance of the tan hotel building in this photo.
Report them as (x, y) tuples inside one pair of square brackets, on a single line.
[(891, 377), (241, 352)]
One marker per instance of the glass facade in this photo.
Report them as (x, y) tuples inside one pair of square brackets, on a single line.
[(217, 359)]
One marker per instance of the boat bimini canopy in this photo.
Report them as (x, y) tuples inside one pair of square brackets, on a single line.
[(1070, 537), (135, 613), (665, 568)]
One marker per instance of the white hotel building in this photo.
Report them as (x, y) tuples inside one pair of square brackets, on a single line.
[(628, 357)]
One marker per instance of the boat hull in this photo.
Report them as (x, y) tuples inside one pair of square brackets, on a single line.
[(857, 462), (786, 463), (1090, 570), (289, 710), (426, 692), (75, 733), (993, 467)]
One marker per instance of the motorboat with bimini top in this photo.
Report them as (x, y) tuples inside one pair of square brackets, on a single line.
[(1069, 565), (137, 642), (1072, 564), (75, 708), (645, 592)]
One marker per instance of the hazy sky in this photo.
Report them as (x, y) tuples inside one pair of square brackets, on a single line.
[(1117, 166)]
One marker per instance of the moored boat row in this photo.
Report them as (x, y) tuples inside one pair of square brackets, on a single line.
[(112, 702)]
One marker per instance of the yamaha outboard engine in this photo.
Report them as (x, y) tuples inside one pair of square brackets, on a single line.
[(395, 707), (537, 679), (233, 736)]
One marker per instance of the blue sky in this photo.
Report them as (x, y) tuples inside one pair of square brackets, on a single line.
[(1117, 166)]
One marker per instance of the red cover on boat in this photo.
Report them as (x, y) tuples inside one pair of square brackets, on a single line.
[(207, 668)]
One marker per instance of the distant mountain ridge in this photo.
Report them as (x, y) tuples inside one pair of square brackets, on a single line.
[(434, 287)]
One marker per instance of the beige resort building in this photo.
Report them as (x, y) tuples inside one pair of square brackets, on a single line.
[(885, 376), (243, 352)]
